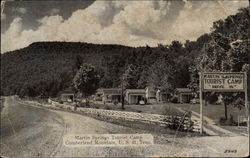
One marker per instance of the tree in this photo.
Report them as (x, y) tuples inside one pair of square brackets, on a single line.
[(181, 73), (111, 78), (161, 75), (79, 62), (86, 80), (226, 51), (216, 57), (131, 76)]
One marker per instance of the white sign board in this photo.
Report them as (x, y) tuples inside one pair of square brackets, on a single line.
[(222, 81)]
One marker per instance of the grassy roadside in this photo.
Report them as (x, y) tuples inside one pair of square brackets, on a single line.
[(214, 112)]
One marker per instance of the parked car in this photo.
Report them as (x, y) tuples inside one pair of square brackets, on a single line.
[(218, 102), (142, 102), (195, 101)]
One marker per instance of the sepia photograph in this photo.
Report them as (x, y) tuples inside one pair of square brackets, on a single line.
[(125, 78)]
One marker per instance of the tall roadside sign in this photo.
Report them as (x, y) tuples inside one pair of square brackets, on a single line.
[(222, 82)]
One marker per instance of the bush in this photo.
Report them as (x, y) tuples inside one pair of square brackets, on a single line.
[(174, 99), (107, 108), (178, 123), (222, 120), (115, 102), (228, 122), (231, 121), (239, 103), (212, 99)]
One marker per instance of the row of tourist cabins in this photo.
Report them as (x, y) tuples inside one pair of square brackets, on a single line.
[(149, 95)]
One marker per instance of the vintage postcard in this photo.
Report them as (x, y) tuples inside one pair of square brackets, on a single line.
[(116, 78)]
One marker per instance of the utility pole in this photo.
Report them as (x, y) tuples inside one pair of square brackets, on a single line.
[(201, 102), (246, 102), (122, 95), (2, 6)]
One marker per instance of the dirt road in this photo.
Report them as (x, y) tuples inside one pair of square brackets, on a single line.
[(29, 131)]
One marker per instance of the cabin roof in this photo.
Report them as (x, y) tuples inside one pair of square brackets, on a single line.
[(135, 90), (109, 91), (183, 90)]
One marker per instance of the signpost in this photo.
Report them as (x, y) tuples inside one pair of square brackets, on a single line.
[(222, 82)]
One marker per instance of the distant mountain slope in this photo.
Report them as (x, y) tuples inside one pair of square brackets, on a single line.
[(45, 68), (48, 61)]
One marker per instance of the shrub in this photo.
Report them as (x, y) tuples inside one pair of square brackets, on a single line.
[(228, 122), (222, 120), (115, 102), (107, 108), (176, 122), (239, 103), (174, 99), (231, 121)]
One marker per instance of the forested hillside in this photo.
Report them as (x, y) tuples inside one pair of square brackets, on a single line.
[(48, 67), (45, 68)]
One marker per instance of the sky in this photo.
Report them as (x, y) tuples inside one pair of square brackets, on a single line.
[(131, 23)]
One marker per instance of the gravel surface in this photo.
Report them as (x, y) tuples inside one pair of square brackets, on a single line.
[(39, 133)]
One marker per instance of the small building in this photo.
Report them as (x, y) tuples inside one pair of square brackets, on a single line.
[(67, 96), (184, 95), (156, 95), (162, 96), (134, 96), (98, 95), (150, 94), (109, 95)]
